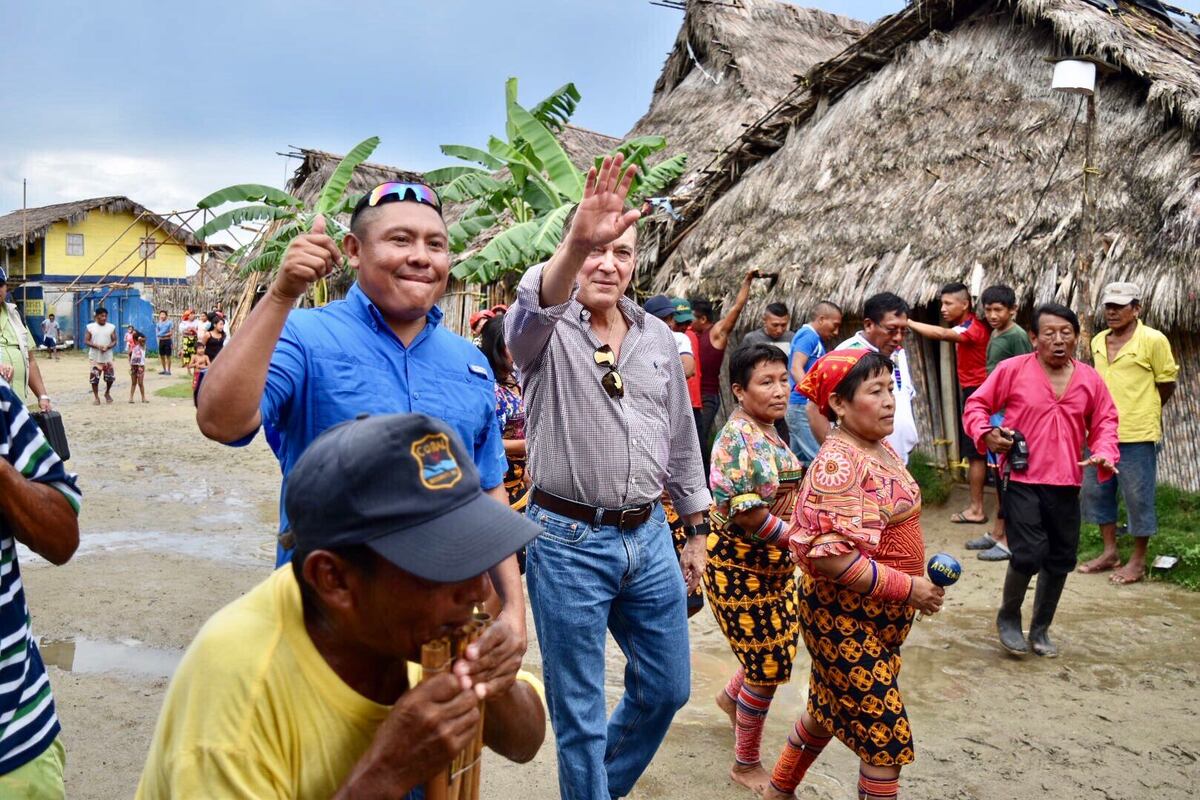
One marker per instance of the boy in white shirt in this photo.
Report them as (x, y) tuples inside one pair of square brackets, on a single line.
[(101, 339)]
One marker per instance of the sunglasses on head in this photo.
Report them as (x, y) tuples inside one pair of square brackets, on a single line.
[(417, 192), (613, 383)]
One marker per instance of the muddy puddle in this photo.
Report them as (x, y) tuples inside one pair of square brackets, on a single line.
[(230, 546), (92, 656)]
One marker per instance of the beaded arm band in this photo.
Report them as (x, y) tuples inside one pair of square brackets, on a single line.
[(887, 583), (771, 529)]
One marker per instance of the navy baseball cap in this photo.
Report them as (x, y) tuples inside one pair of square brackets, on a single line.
[(660, 306), (404, 485)]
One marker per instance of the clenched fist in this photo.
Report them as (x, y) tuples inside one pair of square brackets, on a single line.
[(309, 257)]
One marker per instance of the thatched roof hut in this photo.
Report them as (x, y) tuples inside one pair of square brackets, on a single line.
[(730, 66), (35, 222), (933, 149)]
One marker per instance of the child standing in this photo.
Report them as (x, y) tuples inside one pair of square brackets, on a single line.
[(198, 366), (137, 367)]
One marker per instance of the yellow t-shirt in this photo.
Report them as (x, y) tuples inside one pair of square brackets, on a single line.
[(1132, 379), (255, 711)]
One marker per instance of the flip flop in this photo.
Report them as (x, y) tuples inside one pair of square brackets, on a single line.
[(1123, 580), (961, 519)]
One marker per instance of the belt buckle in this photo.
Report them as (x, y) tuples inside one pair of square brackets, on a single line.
[(621, 519)]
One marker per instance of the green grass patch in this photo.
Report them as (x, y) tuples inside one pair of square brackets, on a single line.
[(1178, 535), (179, 390), (935, 483)]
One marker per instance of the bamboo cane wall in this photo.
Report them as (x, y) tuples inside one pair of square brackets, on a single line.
[(1179, 461)]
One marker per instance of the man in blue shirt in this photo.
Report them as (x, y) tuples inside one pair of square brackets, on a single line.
[(807, 346), (381, 350), (164, 329)]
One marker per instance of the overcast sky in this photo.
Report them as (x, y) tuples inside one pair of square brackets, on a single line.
[(165, 102)]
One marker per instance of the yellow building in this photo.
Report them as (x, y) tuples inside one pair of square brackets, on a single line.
[(105, 240), (107, 251)]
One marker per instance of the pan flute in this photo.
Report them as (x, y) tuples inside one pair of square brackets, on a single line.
[(461, 778)]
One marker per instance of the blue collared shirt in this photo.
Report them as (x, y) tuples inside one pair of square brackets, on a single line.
[(333, 363)]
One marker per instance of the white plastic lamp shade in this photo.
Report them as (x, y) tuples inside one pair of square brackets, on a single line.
[(1074, 77)]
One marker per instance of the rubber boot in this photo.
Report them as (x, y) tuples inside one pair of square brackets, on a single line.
[(1045, 603), (1008, 621)]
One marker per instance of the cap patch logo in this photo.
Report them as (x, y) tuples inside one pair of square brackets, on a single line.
[(439, 470)]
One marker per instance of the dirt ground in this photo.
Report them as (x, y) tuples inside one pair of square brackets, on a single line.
[(175, 526)]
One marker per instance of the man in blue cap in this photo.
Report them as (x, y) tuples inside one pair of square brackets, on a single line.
[(307, 686)]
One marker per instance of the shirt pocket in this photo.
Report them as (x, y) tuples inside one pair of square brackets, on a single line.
[(344, 388), (462, 398)]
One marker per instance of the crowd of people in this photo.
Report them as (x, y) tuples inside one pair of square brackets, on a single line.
[(576, 443)]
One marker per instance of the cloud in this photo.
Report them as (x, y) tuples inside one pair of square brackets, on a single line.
[(170, 180)]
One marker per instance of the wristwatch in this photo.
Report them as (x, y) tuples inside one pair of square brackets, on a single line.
[(697, 530)]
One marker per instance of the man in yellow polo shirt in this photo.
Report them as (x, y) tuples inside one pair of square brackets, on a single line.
[(1135, 362), (302, 687)]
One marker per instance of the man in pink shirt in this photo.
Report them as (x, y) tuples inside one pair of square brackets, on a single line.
[(1058, 405)]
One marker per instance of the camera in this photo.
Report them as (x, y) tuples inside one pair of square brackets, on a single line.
[(1018, 454)]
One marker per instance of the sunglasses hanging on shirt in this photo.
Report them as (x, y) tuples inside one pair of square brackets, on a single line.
[(613, 383)]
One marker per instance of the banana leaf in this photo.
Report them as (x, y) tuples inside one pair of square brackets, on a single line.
[(470, 186), (556, 110), (266, 261), (244, 214), (562, 173), (250, 193), (467, 228), (511, 250), (438, 177), (331, 195), (659, 177), (472, 154), (347, 205), (551, 231)]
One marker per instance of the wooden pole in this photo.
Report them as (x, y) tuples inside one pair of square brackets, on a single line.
[(24, 207), (1087, 239)]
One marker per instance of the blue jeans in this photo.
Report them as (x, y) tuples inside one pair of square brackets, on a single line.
[(583, 580), (803, 443), (1136, 482)]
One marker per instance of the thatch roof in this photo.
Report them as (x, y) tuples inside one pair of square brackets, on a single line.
[(935, 144), (581, 144), (37, 221), (317, 165), (730, 65)]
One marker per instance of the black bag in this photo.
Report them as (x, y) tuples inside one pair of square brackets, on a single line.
[(52, 428)]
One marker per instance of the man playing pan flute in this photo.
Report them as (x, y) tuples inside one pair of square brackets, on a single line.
[(305, 686)]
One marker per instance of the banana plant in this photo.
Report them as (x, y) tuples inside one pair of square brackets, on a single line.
[(287, 215), (526, 184)]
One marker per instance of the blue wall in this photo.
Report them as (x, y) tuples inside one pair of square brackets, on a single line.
[(125, 307)]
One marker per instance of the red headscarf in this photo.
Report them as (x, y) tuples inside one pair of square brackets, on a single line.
[(825, 376), (478, 317)]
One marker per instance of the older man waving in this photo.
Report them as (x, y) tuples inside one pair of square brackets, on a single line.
[(609, 428)]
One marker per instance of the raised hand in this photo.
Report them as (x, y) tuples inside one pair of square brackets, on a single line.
[(309, 257), (601, 217)]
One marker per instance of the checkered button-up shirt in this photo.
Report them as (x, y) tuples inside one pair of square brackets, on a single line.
[(584, 445)]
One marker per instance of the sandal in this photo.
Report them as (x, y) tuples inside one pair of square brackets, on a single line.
[(962, 519)]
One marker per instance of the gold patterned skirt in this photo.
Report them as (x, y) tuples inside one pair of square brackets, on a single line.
[(516, 486), (751, 588), (854, 642)]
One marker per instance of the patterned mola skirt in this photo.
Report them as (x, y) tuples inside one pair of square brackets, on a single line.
[(854, 641), (752, 590)]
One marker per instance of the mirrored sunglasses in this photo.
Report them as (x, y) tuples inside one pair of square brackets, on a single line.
[(417, 192), (613, 383)]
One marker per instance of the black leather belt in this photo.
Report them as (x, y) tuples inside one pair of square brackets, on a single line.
[(624, 518)]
